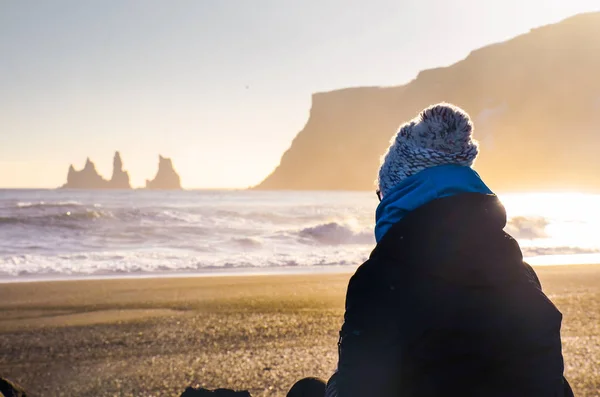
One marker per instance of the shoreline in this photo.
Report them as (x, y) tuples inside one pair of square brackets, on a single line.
[(227, 272), (232, 272)]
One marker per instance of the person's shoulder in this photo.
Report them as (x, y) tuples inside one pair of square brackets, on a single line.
[(531, 275), (368, 272)]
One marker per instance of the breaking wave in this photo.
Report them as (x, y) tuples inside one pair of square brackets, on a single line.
[(528, 228), (71, 217), (335, 234), (43, 204), (549, 251)]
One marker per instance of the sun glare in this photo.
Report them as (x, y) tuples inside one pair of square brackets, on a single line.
[(561, 224), (559, 204)]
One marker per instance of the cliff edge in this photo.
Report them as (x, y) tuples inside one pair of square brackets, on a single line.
[(535, 101)]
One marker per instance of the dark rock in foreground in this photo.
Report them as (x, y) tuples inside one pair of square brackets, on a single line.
[(11, 389), (201, 392)]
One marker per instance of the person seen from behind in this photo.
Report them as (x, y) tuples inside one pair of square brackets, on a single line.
[(445, 304)]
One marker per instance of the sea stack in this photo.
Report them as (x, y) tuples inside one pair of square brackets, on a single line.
[(89, 178), (166, 178), (120, 178)]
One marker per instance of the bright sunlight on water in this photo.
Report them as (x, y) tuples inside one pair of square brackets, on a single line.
[(555, 228)]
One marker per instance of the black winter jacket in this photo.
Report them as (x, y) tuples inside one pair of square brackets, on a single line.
[(445, 306)]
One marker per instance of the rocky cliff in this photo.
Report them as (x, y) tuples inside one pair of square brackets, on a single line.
[(89, 178), (535, 101), (166, 177)]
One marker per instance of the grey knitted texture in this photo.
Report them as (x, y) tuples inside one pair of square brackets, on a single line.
[(439, 135)]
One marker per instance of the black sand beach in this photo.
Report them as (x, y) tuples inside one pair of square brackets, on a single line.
[(154, 337)]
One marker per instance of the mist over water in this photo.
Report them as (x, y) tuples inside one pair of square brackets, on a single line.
[(63, 234)]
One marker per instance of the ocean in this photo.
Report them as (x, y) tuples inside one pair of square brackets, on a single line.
[(66, 234)]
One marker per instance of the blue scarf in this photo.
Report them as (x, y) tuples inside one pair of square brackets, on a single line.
[(423, 187)]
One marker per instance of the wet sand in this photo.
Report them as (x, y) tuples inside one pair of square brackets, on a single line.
[(154, 337)]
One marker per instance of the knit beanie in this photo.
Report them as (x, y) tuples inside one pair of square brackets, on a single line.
[(439, 135)]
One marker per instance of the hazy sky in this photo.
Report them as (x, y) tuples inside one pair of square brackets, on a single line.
[(222, 86)]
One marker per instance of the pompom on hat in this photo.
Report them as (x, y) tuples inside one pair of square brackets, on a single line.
[(441, 134)]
